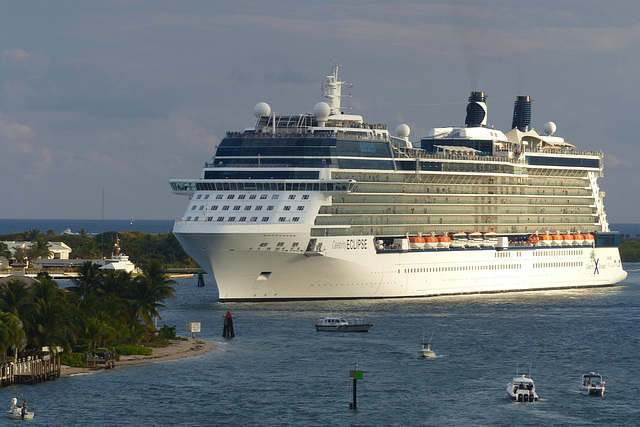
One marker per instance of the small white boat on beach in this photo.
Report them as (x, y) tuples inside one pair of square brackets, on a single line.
[(333, 323), (592, 384), (522, 389), (16, 414)]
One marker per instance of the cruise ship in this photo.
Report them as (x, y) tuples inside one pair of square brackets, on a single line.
[(324, 205)]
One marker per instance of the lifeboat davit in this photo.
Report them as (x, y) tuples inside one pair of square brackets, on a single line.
[(534, 240)]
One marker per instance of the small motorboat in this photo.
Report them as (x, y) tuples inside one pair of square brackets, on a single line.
[(16, 414), (522, 389), (333, 323), (592, 384), (426, 351)]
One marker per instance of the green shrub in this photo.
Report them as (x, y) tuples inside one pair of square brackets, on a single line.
[(167, 332), (75, 360), (138, 350)]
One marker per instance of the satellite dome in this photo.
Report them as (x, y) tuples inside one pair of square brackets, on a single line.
[(403, 131), (550, 128), (321, 110), (262, 109)]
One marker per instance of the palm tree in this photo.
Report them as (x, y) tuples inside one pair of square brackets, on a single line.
[(149, 292), (51, 322), (15, 298), (32, 234), (87, 281), (11, 333), (39, 249)]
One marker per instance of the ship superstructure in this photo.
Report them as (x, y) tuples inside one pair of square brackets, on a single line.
[(323, 205)]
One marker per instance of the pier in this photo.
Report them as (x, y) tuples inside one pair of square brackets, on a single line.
[(30, 371)]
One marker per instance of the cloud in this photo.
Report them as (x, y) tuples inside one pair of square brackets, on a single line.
[(14, 131), (15, 55)]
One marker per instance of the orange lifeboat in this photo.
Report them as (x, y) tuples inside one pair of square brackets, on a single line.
[(568, 239), (578, 239), (417, 242), (444, 241), (432, 241), (556, 239), (589, 239), (545, 239), (533, 240)]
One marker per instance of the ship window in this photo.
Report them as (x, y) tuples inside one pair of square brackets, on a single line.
[(280, 244), (225, 208), (254, 218), (300, 208), (214, 208), (199, 196), (188, 218), (230, 196), (241, 196), (247, 208), (258, 208), (201, 208), (209, 218), (262, 245), (292, 197), (265, 218), (269, 208), (294, 245), (196, 218), (193, 208), (263, 196), (236, 208), (219, 196), (287, 208), (232, 218), (295, 219), (275, 196), (252, 196), (206, 196), (282, 219), (220, 218), (305, 197), (242, 219)]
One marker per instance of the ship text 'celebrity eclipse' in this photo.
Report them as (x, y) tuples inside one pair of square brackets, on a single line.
[(326, 206)]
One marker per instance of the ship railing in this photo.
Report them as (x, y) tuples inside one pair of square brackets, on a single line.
[(569, 151)]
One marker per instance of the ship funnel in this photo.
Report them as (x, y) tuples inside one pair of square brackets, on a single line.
[(476, 110), (522, 114)]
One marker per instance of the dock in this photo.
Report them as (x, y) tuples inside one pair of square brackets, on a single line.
[(30, 371)]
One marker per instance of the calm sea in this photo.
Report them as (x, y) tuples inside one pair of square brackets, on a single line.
[(278, 371)]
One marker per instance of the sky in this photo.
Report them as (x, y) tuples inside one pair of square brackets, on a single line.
[(116, 97)]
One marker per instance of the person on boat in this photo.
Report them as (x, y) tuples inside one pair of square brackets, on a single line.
[(24, 409), (521, 386), (14, 403)]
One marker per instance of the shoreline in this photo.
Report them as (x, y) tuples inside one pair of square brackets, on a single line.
[(178, 349)]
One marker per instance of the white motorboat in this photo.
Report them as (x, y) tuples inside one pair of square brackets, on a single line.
[(522, 389), (333, 323), (592, 384), (426, 351), (16, 414)]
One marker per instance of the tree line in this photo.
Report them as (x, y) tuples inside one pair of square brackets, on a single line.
[(99, 309), (142, 248)]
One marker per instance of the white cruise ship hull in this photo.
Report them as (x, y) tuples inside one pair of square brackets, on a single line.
[(351, 267)]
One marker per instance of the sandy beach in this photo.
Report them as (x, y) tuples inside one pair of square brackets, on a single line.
[(176, 350)]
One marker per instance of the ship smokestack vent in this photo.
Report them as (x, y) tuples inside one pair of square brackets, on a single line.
[(476, 110), (522, 114)]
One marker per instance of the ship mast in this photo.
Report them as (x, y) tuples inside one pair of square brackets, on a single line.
[(332, 90)]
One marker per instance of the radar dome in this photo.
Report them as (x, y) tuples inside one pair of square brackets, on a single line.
[(321, 110), (550, 128), (262, 109), (403, 131)]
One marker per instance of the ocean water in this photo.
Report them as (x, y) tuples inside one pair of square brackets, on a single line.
[(278, 371)]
